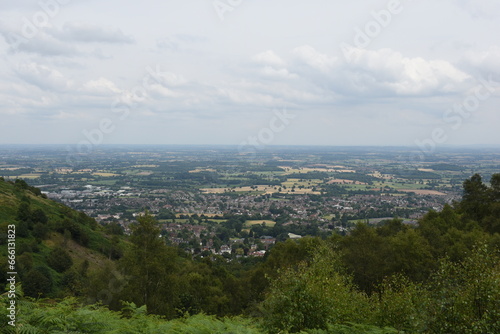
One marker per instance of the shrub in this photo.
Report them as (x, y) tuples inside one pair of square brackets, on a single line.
[(59, 260), (313, 296)]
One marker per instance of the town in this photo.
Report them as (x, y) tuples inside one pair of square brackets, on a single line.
[(218, 200)]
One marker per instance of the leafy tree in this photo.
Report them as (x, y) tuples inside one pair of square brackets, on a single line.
[(59, 260), (40, 230), (38, 216), (202, 290), (449, 233), (466, 295), (73, 282), (22, 229), (495, 187), (24, 212), (290, 253), (391, 228), (37, 282), (477, 197), (313, 296), (114, 228), (401, 304), (410, 254), (24, 263), (365, 254), (104, 285), (150, 266)]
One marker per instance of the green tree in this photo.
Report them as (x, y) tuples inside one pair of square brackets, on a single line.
[(24, 212), (466, 295), (150, 266), (495, 187), (40, 230), (38, 216), (410, 254), (37, 282), (365, 254), (59, 260), (475, 198), (401, 304), (313, 296)]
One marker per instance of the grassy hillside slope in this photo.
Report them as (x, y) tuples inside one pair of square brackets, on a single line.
[(56, 247)]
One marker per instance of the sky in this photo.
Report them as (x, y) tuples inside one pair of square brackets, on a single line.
[(84, 73)]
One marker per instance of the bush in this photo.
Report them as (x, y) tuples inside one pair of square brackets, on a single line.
[(40, 231), (59, 260), (466, 295), (401, 304), (313, 296), (37, 282)]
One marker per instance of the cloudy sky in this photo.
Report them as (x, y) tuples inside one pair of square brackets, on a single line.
[(271, 72)]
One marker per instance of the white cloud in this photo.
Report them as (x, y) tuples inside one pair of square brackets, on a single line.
[(315, 59), (388, 69), (269, 58), (101, 86), (281, 73), (382, 72), (162, 91)]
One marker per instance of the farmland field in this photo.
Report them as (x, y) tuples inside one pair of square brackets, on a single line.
[(270, 223)]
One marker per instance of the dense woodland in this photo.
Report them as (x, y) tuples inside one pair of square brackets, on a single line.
[(442, 276)]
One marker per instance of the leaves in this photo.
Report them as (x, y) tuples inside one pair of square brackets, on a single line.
[(69, 316)]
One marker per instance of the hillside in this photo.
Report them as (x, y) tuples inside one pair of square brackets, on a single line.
[(56, 247)]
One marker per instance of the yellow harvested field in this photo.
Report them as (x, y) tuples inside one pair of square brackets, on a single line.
[(258, 222), (197, 170), (381, 176), (289, 170), (297, 183), (214, 190), (64, 170), (104, 174), (423, 192), (342, 181), (30, 176)]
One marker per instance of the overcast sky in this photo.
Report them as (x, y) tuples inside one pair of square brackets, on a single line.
[(321, 72)]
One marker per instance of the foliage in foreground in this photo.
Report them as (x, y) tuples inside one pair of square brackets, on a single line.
[(313, 296), (461, 297), (69, 316)]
